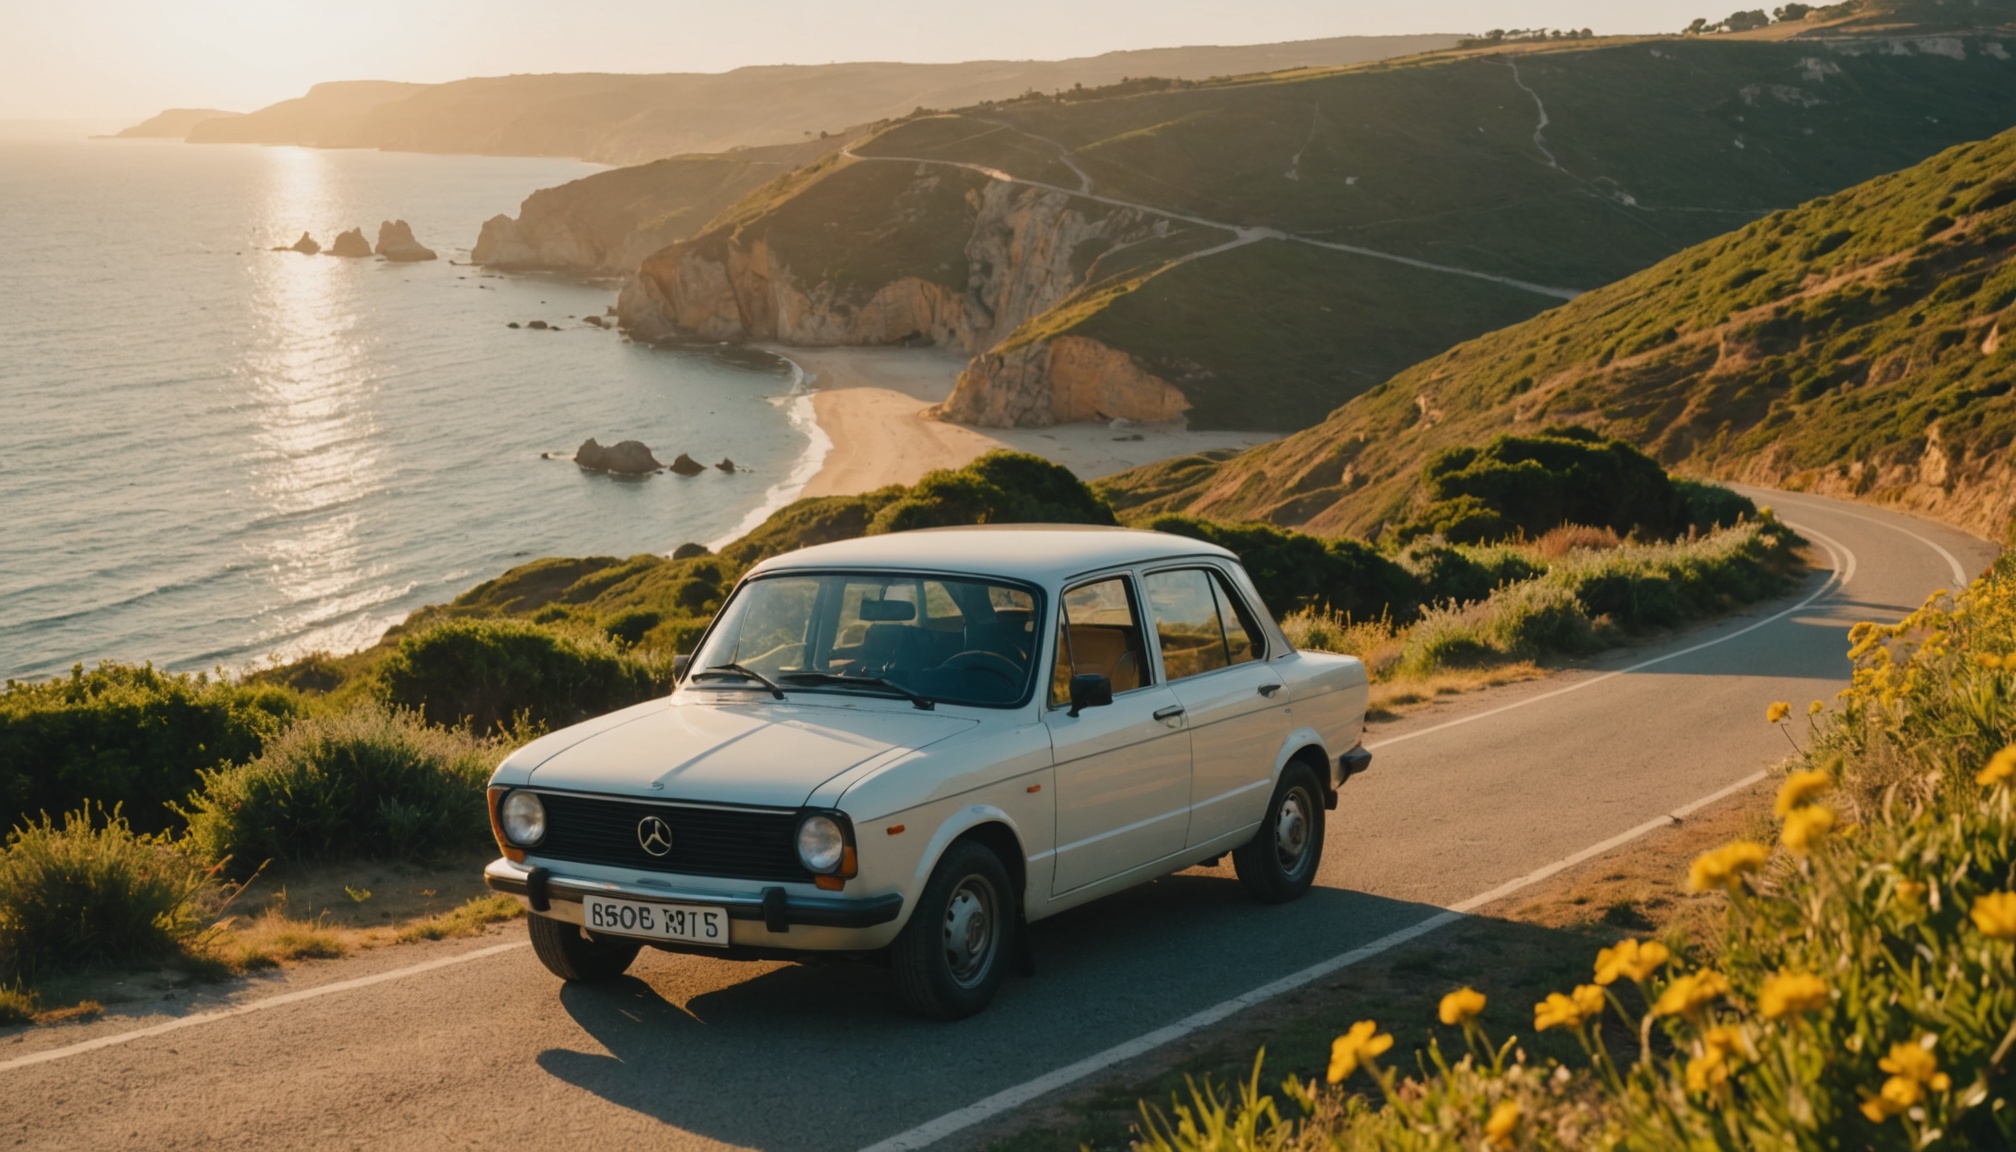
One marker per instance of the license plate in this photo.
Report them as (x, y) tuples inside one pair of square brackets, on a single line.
[(686, 923)]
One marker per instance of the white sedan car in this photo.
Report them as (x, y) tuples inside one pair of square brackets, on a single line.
[(908, 747)]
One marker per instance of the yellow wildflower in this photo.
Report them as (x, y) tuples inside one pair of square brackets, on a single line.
[(1995, 915), (1461, 1006), (1363, 1042), (1988, 660), (1629, 959), (1913, 1069), (1790, 993), (1800, 788), (1815, 708), (1805, 828), (1691, 993), (1723, 867), (1557, 1011), (2001, 768), (1911, 892), (1503, 1122), (1588, 1000), (1778, 711), (1711, 1069)]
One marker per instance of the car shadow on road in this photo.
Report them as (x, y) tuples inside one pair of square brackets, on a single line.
[(728, 1061)]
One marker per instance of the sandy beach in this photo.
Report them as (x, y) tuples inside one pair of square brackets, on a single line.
[(869, 403)]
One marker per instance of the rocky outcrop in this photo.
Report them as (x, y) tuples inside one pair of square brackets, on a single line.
[(306, 245), (396, 242), (1059, 381), (687, 466), (1019, 254), (626, 457), (1024, 254), (351, 244)]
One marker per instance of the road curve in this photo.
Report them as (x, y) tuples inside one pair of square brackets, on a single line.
[(479, 1047)]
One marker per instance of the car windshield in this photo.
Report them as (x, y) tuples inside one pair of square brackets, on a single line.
[(941, 639)]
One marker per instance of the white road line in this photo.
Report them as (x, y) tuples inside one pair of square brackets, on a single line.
[(1960, 577), (1844, 571), (1009, 1099), (280, 1001)]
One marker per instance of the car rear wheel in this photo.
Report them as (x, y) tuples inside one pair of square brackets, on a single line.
[(576, 957), (951, 957), (1280, 862)]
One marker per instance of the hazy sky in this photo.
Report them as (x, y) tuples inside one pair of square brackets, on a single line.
[(131, 58)]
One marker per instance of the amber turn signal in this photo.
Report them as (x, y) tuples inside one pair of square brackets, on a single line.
[(513, 854), (895, 829)]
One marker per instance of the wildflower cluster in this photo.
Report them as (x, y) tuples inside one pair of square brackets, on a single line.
[(1863, 990)]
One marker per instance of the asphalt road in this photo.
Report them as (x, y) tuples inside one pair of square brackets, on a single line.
[(487, 1050)]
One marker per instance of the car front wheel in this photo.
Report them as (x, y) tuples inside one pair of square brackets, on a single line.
[(951, 957), (576, 957), (1279, 863)]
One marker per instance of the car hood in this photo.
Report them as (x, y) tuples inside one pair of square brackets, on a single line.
[(767, 753)]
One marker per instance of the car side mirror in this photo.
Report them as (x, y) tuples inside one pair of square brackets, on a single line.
[(1090, 690), (679, 666)]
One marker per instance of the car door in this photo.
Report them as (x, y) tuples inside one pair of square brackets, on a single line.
[(1213, 658), (1123, 769)]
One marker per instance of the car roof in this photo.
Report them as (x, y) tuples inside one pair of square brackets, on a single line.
[(1040, 553)]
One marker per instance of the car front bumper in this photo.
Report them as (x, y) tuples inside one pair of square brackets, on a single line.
[(763, 919)]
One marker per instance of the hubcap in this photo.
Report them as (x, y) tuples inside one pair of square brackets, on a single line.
[(1292, 831), (969, 930)]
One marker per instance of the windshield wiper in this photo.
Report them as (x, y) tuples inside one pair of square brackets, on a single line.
[(917, 698), (723, 671)]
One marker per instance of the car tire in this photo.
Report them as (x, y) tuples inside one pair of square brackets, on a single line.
[(577, 957), (951, 957), (1280, 862)]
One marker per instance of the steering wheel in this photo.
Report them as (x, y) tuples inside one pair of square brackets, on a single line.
[(993, 663)]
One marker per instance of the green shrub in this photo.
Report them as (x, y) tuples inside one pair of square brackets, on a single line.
[(1000, 487), (1711, 506), (489, 674), (370, 783), (1446, 575), (92, 892), (128, 734), (1293, 570), (1529, 484)]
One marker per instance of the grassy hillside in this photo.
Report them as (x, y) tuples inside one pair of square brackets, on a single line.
[(1862, 344), (629, 119), (1389, 210)]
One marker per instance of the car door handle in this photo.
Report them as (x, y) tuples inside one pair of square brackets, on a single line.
[(1269, 689), (1170, 713)]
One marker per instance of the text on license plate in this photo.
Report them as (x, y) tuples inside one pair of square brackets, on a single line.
[(688, 923)]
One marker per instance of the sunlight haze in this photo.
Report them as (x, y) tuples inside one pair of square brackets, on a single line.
[(130, 60)]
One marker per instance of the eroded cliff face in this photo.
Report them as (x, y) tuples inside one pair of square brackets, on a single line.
[(1027, 251), (1059, 381)]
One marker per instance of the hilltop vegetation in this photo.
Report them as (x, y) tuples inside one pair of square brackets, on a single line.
[(630, 119), (1860, 345), (1267, 248)]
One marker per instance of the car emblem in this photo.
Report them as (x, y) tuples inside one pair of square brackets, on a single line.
[(654, 835)]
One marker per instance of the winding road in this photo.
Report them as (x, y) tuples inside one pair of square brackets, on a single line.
[(471, 1044)]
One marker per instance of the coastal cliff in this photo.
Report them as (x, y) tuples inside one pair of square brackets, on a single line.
[(1020, 251)]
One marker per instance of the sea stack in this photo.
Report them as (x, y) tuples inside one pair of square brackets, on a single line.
[(351, 244), (396, 242), (687, 466), (627, 458), (306, 245)]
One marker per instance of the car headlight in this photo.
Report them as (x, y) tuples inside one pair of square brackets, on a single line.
[(822, 843), (524, 818)]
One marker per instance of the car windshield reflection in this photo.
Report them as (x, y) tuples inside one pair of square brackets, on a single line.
[(926, 638)]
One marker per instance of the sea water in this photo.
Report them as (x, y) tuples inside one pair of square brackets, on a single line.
[(213, 454)]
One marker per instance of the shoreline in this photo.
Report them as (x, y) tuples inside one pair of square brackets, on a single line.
[(866, 406)]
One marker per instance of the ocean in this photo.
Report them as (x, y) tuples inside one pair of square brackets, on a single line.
[(215, 455)]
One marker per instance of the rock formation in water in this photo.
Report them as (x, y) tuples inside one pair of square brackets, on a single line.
[(1020, 254), (626, 457), (687, 466), (351, 243), (726, 465), (396, 242), (306, 245)]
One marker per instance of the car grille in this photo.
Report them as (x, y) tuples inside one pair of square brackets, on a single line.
[(741, 845)]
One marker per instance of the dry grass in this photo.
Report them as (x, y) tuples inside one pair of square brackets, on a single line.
[(1391, 697), (270, 940), (17, 1004), (467, 920), (1573, 537)]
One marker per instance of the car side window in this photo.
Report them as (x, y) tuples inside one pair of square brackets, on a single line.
[(1099, 632), (1187, 622), (1243, 637)]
